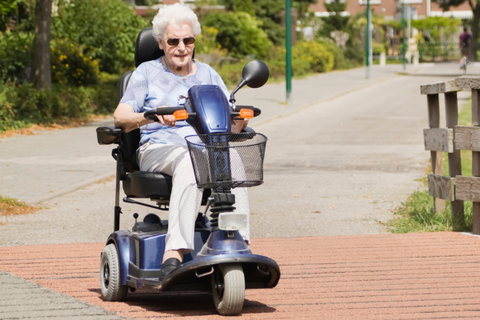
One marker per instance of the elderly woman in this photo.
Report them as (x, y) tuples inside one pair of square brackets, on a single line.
[(162, 148)]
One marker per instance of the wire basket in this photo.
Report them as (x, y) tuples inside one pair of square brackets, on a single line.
[(227, 160)]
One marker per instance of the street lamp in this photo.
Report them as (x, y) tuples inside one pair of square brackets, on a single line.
[(368, 35), (288, 51)]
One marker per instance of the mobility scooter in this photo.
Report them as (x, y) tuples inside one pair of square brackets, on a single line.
[(222, 263)]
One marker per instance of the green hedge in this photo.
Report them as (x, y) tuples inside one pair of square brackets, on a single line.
[(16, 55), (21, 105)]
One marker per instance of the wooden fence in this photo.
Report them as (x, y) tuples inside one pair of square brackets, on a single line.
[(452, 139)]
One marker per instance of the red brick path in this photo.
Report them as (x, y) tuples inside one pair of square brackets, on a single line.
[(413, 276)]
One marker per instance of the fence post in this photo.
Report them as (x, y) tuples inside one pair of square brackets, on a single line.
[(436, 156), (476, 159), (454, 158)]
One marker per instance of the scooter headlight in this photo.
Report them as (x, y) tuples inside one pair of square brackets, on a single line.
[(232, 221)]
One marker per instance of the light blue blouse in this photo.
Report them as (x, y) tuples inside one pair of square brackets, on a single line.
[(153, 85)]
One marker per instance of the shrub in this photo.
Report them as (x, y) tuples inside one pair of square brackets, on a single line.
[(319, 58), (378, 48), (231, 73), (206, 41), (70, 66), (339, 62), (106, 30), (22, 105), (239, 33), (16, 55)]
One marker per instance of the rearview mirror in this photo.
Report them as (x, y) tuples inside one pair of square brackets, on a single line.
[(255, 74)]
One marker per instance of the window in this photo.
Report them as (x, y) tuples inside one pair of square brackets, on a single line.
[(364, 2)]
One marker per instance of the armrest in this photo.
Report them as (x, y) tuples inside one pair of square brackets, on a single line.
[(108, 135)]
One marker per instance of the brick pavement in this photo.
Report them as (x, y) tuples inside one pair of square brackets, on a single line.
[(408, 276)]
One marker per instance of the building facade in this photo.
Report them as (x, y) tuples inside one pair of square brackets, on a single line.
[(390, 8)]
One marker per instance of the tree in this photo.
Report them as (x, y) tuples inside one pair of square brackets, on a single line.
[(239, 33), (244, 6), (335, 21), (446, 4), (302, 6), (475, 6), (268, 12), (8, 10), (103, 29), (42, 74)]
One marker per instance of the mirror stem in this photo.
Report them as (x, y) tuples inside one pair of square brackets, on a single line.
[(232, 101), (232, 95)]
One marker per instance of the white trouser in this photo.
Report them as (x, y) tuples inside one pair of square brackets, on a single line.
[(186, 198)]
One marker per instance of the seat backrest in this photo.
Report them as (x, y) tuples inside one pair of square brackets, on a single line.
[(146, 49)]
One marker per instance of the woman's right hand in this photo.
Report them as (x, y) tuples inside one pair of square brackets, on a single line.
[(127, 119)]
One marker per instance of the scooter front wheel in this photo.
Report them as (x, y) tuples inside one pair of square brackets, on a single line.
[(112, 289), (228, 289)]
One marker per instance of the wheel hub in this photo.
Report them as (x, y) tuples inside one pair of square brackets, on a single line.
[(106, 274)]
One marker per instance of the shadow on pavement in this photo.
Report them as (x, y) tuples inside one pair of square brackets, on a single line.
[(177, 304)]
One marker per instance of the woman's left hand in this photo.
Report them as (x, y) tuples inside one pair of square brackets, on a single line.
[(239, 125)]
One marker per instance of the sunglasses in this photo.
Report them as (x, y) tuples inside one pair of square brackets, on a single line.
[(175, 41)]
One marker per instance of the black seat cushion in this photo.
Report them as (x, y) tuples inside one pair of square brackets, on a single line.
[(153, 185)]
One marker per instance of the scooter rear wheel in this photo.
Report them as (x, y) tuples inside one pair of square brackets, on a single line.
[(112, 289), (228, 289)]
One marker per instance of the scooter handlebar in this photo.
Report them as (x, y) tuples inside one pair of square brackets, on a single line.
[(151, 115), (161, 112)]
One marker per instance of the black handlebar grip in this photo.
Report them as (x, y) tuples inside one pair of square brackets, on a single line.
[(161, 112)]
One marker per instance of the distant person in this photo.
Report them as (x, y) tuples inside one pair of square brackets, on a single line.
[(465, 43), (426, 35)]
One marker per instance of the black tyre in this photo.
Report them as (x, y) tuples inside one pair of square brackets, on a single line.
[(228, 289), (111, 287)]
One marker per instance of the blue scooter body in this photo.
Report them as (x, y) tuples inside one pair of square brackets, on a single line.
[(141, 252), (220, 258)]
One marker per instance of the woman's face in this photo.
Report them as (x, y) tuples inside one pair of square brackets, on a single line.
[(177, 57)]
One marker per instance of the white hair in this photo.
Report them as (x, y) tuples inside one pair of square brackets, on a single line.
[(176, 13)]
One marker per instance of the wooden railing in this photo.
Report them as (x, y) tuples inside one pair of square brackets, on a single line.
[(452, 139)]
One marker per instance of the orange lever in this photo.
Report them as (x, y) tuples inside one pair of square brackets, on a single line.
[(180, 115), (246, 113)]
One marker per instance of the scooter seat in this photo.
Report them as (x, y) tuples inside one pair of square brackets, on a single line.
[(142, 184)]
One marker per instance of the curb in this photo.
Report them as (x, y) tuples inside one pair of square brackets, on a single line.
[(71, 188)]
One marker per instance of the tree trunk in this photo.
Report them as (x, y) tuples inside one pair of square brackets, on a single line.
[(42, 71)]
